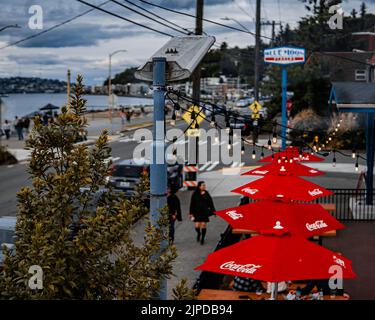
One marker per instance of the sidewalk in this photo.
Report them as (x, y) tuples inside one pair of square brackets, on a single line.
[(191, 253)]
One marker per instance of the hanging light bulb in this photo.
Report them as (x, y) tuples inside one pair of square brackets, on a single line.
[(274, 138), (213, 122), (354, 153), (254, 155), (334, 159), (279, 159), (173, 120), (338, 125), (262, 154), (323, 145), (356, 167), (336, 129), (291, 160), (229, 144), (243, 149), (330, 139), (286, 159), (320, 149), (340, 120)]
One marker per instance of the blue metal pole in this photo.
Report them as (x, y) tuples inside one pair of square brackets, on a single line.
[(370, 140), (284, 81), (158, 167)]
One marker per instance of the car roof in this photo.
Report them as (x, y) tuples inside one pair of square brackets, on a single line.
[(134, 162)]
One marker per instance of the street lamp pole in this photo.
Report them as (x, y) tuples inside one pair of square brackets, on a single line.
[(110, 98)]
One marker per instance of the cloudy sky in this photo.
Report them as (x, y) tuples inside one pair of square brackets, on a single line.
[(83, 45)]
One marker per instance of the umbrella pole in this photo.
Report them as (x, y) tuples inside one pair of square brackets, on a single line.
[(274, 290)]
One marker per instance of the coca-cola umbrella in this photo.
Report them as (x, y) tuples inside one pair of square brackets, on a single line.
[(292, 153), (275, 168), (282, 187), (278, 258), (305, 220)]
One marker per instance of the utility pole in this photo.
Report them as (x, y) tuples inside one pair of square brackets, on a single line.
[(193, 157), (257, 50), (198, 31), (68, 88), (158, 167)]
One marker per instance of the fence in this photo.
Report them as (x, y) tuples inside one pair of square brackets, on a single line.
[(350, 205)]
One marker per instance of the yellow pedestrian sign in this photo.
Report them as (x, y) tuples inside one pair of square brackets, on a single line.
[(255, 116), (256, 107), (195, 115)]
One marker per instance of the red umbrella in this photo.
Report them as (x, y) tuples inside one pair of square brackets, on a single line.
[(294, 154), (304, 220), (275, 168), (276, 259), (282, 187)]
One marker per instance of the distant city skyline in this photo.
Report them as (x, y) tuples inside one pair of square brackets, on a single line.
[(84, 44)]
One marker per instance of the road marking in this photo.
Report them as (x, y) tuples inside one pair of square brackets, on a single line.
[(212, 166), (205, 166)]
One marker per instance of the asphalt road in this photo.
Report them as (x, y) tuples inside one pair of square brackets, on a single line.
[(13, 178)]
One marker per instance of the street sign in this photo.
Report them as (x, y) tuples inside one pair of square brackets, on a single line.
[(256, 107), (284, 55), (193, 132), (199, 116), (255, 116)]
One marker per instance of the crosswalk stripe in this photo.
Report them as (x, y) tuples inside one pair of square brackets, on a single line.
[(205, 166), (212, 166)]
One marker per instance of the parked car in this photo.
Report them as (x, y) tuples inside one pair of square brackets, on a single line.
[(126, 174), (242, 122)]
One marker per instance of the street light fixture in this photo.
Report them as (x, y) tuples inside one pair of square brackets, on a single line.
[(110, 97)]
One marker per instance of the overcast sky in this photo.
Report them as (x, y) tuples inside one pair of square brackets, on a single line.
[(84, 44)]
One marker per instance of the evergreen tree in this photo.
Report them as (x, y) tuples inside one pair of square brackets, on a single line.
[(83, 243)]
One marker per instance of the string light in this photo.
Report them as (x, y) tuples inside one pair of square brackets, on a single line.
[(357, 164), (173, 121), (354, 153), (243, 149), (262, 154), (334, 159), (269, 144), (254, 155)]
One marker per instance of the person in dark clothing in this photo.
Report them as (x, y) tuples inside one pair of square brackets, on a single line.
[(26, 124), (201, 208), (174, 208), (247, 285), (18, 125)]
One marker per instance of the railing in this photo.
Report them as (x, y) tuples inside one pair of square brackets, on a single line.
[(350, 205)]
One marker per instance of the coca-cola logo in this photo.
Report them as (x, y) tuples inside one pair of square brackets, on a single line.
[(250, 191), (315, 192), (242, 268), (234, 214), (260, 171), (319, 224)]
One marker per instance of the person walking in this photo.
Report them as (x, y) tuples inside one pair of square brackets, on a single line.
[(201, 208), (26, 124), (18, 125), (7, 126), (174, 208)]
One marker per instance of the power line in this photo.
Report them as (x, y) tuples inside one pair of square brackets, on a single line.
[(160, 17), (125, 19), (203, 19), (52, 28), (143, 15)]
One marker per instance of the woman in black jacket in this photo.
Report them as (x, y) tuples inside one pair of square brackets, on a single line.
[(201, 208)]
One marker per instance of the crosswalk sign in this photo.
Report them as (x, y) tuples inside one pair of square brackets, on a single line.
[(195, 115), (256, 107)]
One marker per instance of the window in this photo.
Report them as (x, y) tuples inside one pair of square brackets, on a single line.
[(360, 75)]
